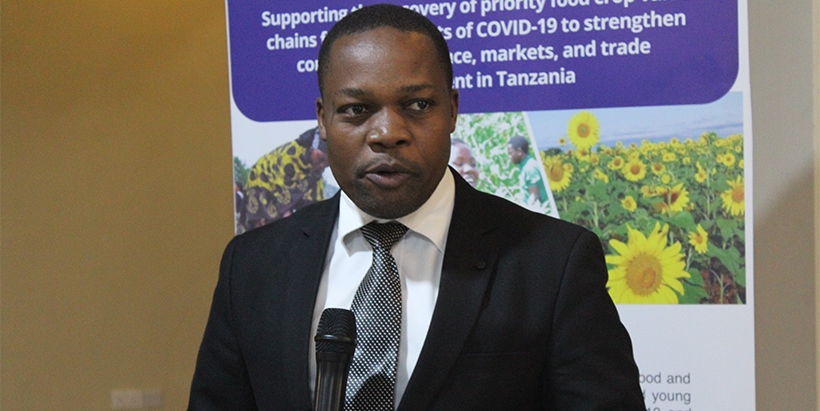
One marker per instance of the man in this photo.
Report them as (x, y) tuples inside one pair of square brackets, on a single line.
[(285, 180), (501, 308), (532, 185), (462, 160)]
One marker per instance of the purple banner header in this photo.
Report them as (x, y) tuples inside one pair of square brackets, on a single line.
[(508, 55)]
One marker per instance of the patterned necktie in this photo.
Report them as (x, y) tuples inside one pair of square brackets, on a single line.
[(371, 384)]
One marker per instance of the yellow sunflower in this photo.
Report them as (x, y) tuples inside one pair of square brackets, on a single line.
[(629, 204), (582, 154), (674, 199), (729, 160), (658, 168), (647, 149), (562, 141), (709, 136), (600, 175), (699, 239), (701, 175), (634, 170), (616, 163), (741, 163), (583, 130), (649, 191), (734, 201), (558, 174), (669, 157), (646, 271)]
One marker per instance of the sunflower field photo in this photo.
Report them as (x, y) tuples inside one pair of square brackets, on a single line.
[(669, 209)]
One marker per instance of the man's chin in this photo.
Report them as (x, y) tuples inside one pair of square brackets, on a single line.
[(386, 205)]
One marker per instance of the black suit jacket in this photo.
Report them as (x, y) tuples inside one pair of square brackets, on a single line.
[(523, 319)]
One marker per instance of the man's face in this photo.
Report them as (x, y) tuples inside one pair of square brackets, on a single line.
[(461, 158), (516, 154), (386, 113)]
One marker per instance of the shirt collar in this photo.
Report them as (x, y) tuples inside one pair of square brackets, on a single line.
[(431, 220)]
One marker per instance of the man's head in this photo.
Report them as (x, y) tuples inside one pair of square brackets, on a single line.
[(386, 112), (316, 149), (518, 148), (384, 15), (461, 159)]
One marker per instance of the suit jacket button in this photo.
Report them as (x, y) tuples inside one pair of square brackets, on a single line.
[(480, 264)]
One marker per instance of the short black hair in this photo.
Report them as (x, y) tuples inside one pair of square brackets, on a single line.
[(385, 15), (520, 143)]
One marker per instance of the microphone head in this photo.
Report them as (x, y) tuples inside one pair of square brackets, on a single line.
[(336, 332)]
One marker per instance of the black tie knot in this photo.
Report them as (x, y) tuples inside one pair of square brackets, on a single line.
[(382, 236)]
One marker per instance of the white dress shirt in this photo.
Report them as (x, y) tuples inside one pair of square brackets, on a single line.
[(419, 256)]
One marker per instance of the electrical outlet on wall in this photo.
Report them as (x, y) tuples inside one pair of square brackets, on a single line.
[(135, 399), (126, 399)]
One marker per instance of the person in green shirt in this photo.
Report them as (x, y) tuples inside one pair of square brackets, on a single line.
[(532, 185)]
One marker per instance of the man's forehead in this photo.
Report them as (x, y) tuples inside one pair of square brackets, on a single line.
[(374, 44), (359, 92), (375, 51), (378, 36)]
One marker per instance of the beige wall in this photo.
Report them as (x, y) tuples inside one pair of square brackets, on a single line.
[(780, 37), (116, 196), (816, 47), (115, 179)]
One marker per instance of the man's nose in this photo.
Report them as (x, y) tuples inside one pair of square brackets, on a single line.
[(389, 128)]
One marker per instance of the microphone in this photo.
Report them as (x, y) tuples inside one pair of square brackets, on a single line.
[(335, 343)]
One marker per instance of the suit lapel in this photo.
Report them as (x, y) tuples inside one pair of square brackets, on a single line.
[(468, 260), (307, 258)]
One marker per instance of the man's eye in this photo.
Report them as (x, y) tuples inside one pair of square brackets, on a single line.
[(420, 105), (355, 109)]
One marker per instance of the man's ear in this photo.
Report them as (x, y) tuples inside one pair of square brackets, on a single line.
[(453, 109), (320, 117)]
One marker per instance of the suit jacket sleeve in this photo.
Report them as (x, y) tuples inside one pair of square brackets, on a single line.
[(221, 380), (592, 367)]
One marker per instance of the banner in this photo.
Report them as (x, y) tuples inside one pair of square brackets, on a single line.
[(635, 116)]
